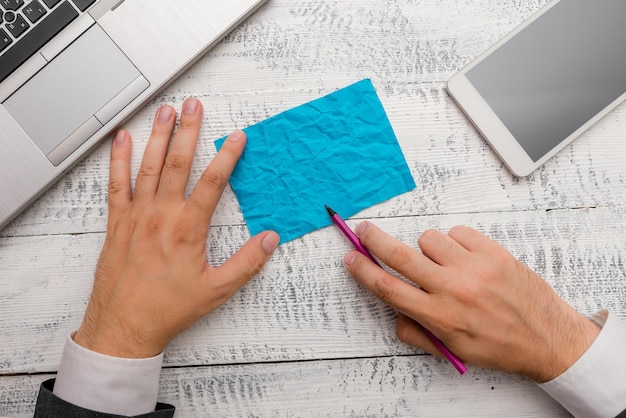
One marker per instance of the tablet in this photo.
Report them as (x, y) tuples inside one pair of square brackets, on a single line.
[(548, 81)]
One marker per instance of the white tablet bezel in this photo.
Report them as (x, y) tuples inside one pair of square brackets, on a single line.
[(489, 124)]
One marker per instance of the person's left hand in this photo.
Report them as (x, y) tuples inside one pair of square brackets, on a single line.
[(153, 280)]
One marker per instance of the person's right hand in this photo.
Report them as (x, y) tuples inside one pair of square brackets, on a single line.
[(488, 308)]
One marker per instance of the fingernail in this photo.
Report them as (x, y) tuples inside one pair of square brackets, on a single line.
[(165, 114), (236, 136), (270, 242), (190, 106), (360, 228), (120, 137), (349, 258)]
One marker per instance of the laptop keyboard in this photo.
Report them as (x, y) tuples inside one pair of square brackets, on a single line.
[(27, 25)]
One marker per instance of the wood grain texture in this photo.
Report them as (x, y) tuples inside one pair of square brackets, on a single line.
[(291, 52), (412, 386), (303, 306), (303, 339)]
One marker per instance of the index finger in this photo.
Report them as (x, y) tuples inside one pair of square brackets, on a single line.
[(210, 186), (406, 298), (411, 263)]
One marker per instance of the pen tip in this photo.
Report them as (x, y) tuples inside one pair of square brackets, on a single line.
[(331, 212)]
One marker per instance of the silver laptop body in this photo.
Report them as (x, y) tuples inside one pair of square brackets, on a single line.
[(111, 58)]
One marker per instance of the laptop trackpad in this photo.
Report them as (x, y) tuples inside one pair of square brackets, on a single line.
[(66, 94)]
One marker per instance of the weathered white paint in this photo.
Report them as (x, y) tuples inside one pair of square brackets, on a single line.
[(411, 386), (329, 346)]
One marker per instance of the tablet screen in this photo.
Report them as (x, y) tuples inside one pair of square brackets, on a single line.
[(556, 74)]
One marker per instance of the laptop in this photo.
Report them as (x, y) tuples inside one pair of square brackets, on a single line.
[(71, 71)]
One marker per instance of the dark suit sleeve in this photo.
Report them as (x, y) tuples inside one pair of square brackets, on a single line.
[(49, 405), (622, 415)]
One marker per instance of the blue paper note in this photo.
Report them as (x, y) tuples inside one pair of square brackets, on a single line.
[(338, 150)]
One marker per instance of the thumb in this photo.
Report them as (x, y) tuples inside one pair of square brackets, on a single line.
[(249, 260), (411, 333)]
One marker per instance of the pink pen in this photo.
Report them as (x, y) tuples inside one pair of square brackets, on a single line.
[(345, 229)]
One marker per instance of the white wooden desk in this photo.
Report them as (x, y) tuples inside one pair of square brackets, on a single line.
[(303, 339)]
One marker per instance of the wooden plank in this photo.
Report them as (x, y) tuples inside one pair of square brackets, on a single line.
[(303, 339), (409, 49), (412, 386), (303, 305), (453, 167)]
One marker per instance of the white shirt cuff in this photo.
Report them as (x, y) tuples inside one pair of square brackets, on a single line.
[(595, 386), (107, 384)]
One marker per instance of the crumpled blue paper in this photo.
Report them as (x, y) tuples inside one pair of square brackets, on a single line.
[(338, 150)]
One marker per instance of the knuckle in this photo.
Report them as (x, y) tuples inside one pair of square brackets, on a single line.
[(448, 325), (400, 257), (153, 224), (116, 187), (212, 179), (181, 233), (491, 271), (187, 123), (252, 265), (148, 170), (469, 294), (176, 162), (505, 259), (386, 289)]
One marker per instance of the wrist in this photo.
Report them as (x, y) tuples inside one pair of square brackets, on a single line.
[(571, 340), (114, 344)]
